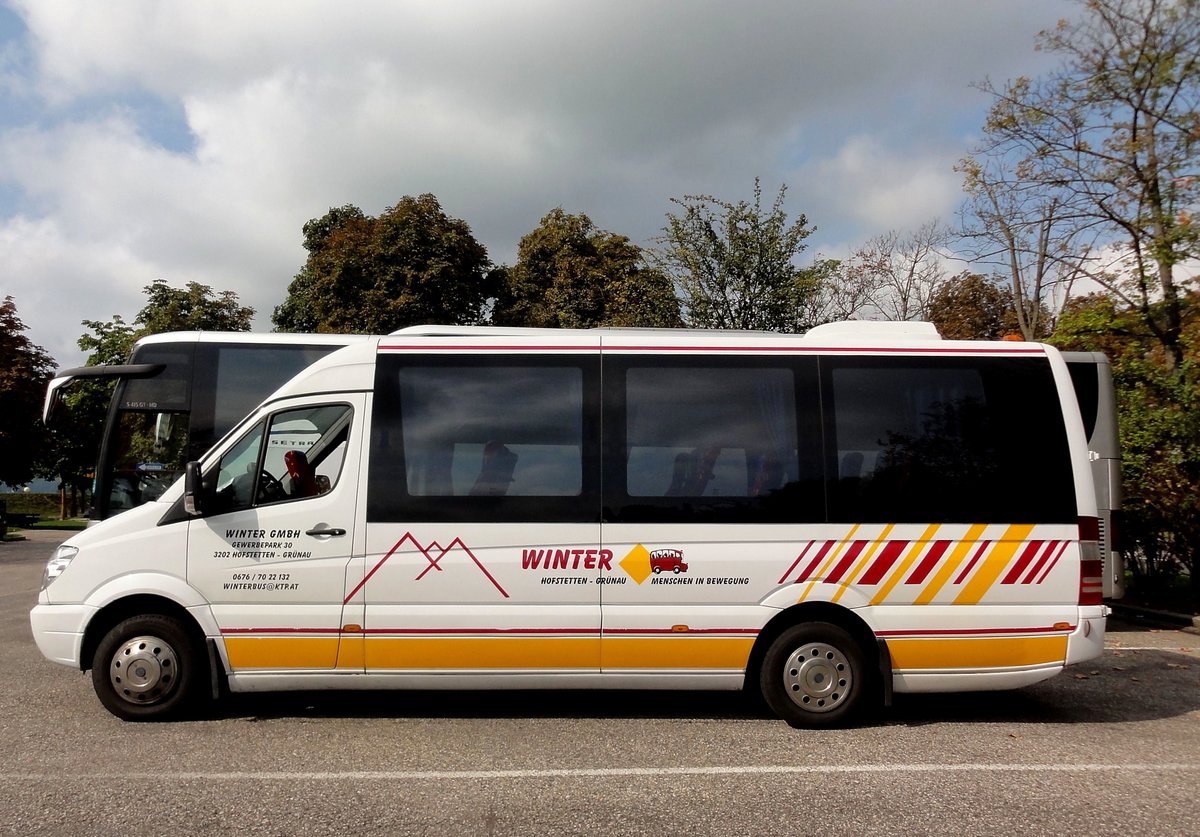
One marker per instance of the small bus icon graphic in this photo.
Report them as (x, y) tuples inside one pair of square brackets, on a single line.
[(667, 559)]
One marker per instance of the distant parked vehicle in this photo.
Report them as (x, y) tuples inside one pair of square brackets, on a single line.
[(178, 394)]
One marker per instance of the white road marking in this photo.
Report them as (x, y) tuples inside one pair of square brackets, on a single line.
[(613, 772)]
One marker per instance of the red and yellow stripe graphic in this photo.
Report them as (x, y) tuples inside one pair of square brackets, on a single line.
[(968, 566)]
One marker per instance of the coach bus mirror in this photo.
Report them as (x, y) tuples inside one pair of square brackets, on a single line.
[(162, 430), (193, 489)]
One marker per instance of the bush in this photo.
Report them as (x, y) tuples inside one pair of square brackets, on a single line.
[(43, 505)]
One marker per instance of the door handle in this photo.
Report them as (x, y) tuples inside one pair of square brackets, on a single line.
[(331, 532)]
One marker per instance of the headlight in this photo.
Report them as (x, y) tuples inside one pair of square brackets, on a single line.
[(56, 565)]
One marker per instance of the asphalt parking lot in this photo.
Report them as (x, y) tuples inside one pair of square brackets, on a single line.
[(1112, 747)]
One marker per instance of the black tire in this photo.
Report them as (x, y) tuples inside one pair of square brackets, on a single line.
[(149, 668), (815, 675)]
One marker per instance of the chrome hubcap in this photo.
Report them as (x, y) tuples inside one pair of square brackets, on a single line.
[(144, 670), (817, 677)]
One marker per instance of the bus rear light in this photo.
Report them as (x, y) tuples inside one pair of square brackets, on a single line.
[(1091, 582), (1089, 528)]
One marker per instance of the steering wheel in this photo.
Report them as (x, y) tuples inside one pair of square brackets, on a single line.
[(269, 488)]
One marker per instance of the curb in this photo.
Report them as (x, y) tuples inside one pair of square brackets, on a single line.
[(1147, 616)]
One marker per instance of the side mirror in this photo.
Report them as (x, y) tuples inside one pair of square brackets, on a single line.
[(193, 489)]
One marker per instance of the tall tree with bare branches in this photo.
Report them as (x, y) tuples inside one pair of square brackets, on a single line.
[(900, 269), (1111, 140)]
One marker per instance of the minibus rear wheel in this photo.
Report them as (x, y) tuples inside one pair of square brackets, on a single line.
[(147, 668), (814, 675)]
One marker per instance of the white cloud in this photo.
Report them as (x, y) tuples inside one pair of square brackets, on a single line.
[(886, 189), (38, 255)]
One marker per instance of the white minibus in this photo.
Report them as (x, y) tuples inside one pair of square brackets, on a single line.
[(827, 519)]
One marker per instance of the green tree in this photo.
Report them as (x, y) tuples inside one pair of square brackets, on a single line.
[(1109, 141), (371, 275), (735, 263), (569, 274), (971, 306), (24, 372), (195, 307), (109, 342)]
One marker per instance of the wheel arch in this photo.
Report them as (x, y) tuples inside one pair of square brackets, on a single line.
[(135, 604), (873, 648)]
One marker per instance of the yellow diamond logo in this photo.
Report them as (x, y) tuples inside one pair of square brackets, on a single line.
[(637, 563)]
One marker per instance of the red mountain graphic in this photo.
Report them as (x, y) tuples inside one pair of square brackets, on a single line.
[(433, 553)]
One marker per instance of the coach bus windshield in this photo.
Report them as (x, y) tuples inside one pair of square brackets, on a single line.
[(178, 395)]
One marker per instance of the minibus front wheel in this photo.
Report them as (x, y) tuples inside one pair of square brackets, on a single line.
[(814, 675), (148, 668)]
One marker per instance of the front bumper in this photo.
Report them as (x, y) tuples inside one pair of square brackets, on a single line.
[(58, 630)]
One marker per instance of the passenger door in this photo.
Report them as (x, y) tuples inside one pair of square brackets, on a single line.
[(273, 551), (483, 509)]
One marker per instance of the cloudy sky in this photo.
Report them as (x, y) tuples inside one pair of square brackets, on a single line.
[(192, 140)]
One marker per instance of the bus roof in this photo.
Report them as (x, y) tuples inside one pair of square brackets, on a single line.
[(249, 337), (353, 367), (846, 330)]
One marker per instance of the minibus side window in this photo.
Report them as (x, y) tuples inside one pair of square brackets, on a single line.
[(489, 438), (1086, 381), (713, 440), (492, 432), (969, 440), (710, 432)]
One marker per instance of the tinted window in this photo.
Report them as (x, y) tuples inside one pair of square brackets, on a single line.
[(718, 440), (948, 440), (1086, 382), (170, 389), (508, 431), (148, 451), (203, 390), (489, 439), (245, 375)]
